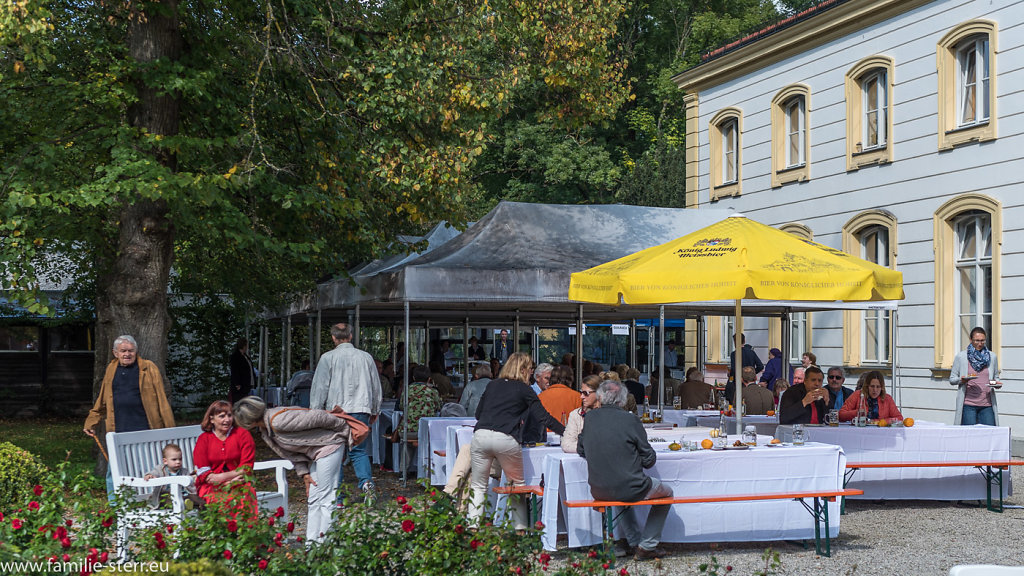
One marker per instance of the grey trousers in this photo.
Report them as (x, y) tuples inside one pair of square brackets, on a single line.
[(629, 528)]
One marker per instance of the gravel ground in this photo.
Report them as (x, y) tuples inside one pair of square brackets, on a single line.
[(915, 537)]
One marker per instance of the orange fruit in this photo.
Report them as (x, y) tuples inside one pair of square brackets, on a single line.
[(706, 444), (908, 422), (883, 423), (770, 413)]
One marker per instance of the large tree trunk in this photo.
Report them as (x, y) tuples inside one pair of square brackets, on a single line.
[(132, 288)]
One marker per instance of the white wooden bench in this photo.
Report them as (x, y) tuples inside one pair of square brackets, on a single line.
[(133, 454)]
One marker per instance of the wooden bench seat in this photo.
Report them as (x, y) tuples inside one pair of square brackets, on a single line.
[(991, 470), (818, 510)]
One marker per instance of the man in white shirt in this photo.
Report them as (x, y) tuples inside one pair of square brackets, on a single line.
[(347, 377)]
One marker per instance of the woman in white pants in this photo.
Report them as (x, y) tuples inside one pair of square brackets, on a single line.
[(314, 441), (507, 402)]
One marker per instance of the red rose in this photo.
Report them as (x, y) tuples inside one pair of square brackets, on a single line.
[(623, 572), (538, 525), (60, 532), (104, 556), (605, 565), (728, 568), (270, 521), (107, 522), (263, 564), (1, 516), (290, 526), (408, 525), (65, 557), (232, 526), (400, 499), (592, 554), (170, 528), (33, 505), (161, 545), (474, 544), (227, 554), (69, 522), (65, 542), (544, 558), (459, 528), (406, 508), (84, 572), (278, 536), (279, 512), (16, 523), (37, 490)]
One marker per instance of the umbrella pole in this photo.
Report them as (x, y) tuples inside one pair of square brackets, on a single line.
[(661, 350), (738, 364)]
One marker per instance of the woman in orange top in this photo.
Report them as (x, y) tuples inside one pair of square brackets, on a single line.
[(560, 399), (879, 404)]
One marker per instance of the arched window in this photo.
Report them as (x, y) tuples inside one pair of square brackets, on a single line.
[(799, 322), (867, 335), (869, 112), (968, 237), (726, 153), (966, 58), (790, 142)]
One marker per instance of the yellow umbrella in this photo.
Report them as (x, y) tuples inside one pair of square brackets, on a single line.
[(736, 259)]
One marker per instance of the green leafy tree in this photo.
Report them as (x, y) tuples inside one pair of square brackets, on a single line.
[(255, 147)]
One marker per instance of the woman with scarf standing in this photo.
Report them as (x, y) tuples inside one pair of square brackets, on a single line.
[(976, 372)]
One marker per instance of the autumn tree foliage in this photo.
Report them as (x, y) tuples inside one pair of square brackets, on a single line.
[(250, 148)]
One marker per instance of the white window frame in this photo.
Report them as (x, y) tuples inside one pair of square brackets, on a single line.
[(978, 311), (794, 110), (973, 49), (798, 341), (729, 131), (877, 106), (878, 320)]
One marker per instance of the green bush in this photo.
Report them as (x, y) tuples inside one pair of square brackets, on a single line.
[(19, 471)]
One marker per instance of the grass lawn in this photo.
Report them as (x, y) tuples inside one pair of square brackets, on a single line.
[(53, 440)]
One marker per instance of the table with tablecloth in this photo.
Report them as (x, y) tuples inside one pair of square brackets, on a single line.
[(924, 442), (432, 437), (387, 419), (686, 417), (707, 472), (763, 424)]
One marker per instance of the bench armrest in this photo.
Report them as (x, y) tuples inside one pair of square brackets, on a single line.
[(268, 464)]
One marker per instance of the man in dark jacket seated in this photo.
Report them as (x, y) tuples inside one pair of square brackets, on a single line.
[(806, 404), (615, 446), (837, 392)]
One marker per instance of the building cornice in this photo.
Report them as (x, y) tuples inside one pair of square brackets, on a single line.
[(837, 22)]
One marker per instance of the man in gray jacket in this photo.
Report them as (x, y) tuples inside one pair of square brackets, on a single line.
[(347, 377), (614, 443)]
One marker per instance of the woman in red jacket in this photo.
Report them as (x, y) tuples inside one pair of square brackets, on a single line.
[(224, 457), (879, 404)]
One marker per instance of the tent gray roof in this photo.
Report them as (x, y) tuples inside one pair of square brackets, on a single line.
[(517, 258), (515, 262)]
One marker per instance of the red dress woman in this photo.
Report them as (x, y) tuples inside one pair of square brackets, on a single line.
[(223, 456)]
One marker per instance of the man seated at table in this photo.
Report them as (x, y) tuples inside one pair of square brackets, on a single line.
[(441, 380), (695, 392), (614, 444), (473, 391), (672, 386), (838, 393), (560, 399), (758, 399), (805, 403), (541, 377)]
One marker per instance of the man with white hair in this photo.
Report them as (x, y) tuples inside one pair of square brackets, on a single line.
[(614, 443), (541, 377)]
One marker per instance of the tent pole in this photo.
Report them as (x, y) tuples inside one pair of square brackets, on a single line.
[(288, 352), (284, 344), (319, 332), (738, 364), (535, 345), (894, 353), (311, 325), (426, 342), (579, 346), (465, 354), (787, 342), (355, 327), (515, 333), (701, 345), (661, 359), (405, 401), (632, 344)]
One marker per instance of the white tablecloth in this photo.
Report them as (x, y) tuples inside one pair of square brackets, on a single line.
[(389, 417), (761, 469), (686, 417), (925, 442), (763, 424), (432, 436)]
